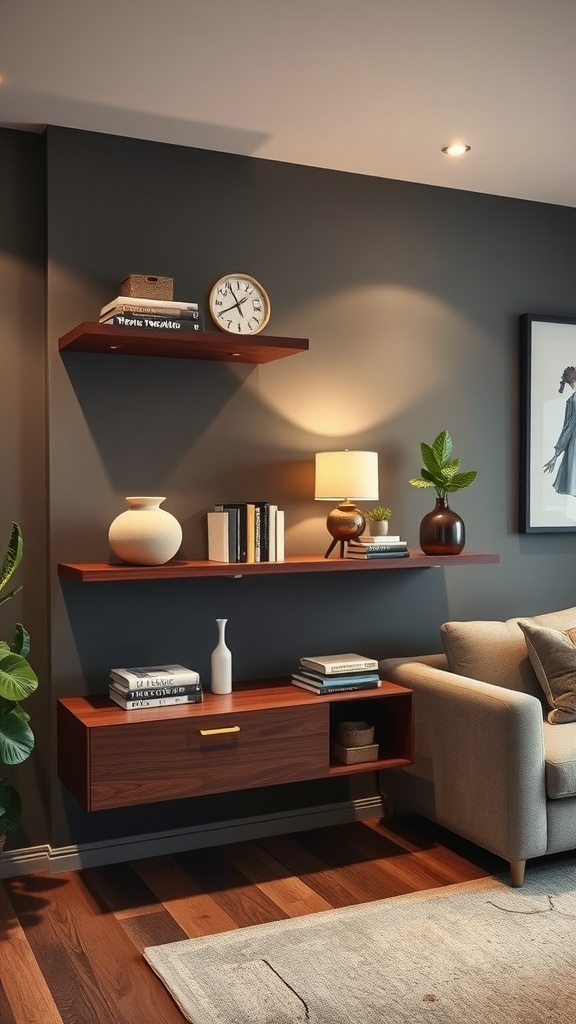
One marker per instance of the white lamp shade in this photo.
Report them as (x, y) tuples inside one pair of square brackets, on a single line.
[(346, 475)]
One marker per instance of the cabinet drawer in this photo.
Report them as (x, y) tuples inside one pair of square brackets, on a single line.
[(145, 762)]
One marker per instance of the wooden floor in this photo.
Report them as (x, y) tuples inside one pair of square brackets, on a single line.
[(70, 944)]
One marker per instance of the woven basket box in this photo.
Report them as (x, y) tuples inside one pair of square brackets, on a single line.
[(146, 286), (355, 755)]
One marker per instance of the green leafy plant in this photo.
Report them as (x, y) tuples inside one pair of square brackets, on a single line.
[(379, 514), (17, 682), (441, 471)]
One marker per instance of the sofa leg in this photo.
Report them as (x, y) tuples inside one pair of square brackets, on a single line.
[(517, 869)]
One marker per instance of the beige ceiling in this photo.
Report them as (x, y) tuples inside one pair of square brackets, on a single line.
[(372, 86)]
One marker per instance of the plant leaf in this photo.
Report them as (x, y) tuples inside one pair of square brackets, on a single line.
[(17, 677), (462, 480), (20, 641), (16, 739), (12, 558), (442, 447), (417, 482), (429, 459), (8, 597)]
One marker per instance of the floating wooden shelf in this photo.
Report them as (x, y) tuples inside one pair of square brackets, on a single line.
[(102, 572), (106, 339)]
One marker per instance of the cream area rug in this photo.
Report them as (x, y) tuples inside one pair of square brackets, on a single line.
[(472, 953)]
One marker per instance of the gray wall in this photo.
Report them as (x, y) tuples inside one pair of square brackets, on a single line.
[(410, 296)]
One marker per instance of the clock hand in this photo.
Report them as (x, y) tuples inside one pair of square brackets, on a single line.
[(236, 305)]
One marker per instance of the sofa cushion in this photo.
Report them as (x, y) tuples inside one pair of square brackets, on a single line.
[(552, 655), (560, 760), (495, 652)]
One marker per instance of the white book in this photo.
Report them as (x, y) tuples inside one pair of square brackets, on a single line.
[(332, 664), (154, 675), (127, 301), (218, 547), (384, 538), (154, 702), (279, 535)]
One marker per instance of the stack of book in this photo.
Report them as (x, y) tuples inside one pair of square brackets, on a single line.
[(154, 686), (377, 547), (246, 532), (162, 314), (337, 673)]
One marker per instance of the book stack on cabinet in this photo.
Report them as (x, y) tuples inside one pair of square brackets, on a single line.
[(377, 547), (337, 673), (246, 532), (154, 686)]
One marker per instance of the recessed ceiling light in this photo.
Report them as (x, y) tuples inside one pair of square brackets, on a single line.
[(456, 149)]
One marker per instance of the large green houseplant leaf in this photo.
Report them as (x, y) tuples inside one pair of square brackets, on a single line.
[(17, 681)]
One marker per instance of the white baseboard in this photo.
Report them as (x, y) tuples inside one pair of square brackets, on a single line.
[(156, 844)]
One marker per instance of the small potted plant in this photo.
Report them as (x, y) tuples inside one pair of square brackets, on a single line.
[(17, 682), (378, 520), (442, 530)]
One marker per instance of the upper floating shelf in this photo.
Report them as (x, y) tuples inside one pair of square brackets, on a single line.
[(106, 339), (100, 572)]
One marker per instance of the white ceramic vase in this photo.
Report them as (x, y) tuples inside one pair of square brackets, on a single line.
[(221, 662), (145, 534)]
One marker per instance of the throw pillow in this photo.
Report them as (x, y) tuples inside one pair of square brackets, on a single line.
[(552, 655)]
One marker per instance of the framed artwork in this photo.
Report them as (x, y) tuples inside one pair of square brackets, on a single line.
[(547, 424)]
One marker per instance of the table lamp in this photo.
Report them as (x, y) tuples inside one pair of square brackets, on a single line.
[(346, 477)]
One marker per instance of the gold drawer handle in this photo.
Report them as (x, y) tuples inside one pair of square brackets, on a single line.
[(218, 732)]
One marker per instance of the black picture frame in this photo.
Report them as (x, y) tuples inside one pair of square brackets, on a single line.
[(547, 413)]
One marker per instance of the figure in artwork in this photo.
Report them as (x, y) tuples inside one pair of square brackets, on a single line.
[(565, 480)]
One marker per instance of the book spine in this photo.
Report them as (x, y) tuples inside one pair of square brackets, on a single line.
[(155, 691), (339, 669), (138, 682), (378, 554), (250, 532), (149, 323), (148, 305), (280, 535), (218, 547), (263, 516), (158, 702), (321, 690), (353, 677), (272, 511), (400, 545)]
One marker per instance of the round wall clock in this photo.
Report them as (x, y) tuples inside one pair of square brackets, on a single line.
[(239, 304)]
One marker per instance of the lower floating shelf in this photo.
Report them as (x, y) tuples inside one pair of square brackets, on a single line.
[(102, 572)]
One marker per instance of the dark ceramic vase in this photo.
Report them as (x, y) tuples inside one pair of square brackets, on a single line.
[(442, 531)]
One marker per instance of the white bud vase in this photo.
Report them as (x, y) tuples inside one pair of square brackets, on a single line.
[(221, 662), (145, 534)]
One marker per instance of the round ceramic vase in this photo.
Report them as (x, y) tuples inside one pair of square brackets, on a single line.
[(145, 534)]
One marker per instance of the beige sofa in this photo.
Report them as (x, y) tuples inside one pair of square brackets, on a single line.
[(487, 763)]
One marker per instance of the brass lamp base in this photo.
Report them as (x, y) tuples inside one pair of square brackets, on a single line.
[(344, 523)]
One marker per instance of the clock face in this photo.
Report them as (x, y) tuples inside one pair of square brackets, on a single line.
[(239, 304)]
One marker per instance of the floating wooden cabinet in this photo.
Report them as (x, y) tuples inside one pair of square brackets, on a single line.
[(262, 734)]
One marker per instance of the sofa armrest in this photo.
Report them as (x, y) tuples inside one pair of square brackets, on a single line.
[(479, 758)]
